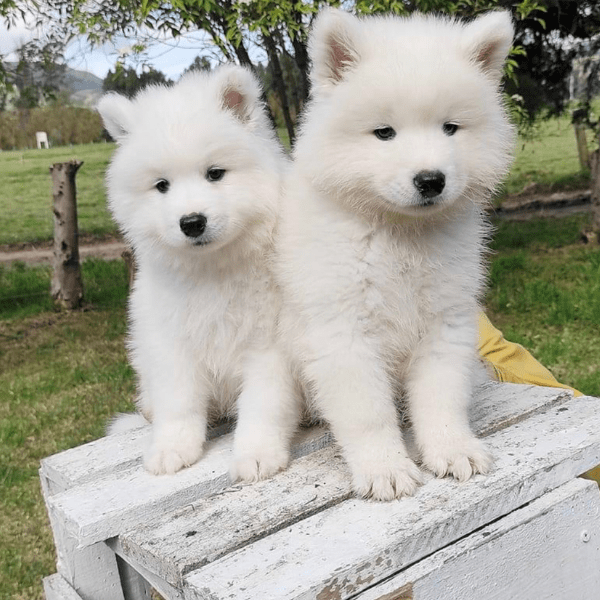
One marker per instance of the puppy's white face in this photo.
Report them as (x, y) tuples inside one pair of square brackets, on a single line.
[(191, 173), (405, 120), (186, 183)]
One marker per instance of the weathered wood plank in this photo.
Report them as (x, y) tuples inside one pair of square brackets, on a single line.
[(211, 527), (110, 454), (104, 507), (56, 588), (497, 404), (95, 459), (356, 544), (91, 572), (547, 549), (160, 585)]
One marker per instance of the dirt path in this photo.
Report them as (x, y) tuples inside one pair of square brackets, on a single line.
[(560, 204), (109, 250), (517, 208)]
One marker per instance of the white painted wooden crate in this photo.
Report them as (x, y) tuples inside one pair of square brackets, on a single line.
[(529, 530)]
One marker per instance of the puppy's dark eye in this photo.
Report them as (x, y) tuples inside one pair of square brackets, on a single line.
[(215, 174), (162, 185), (450, 128), (385, 133)]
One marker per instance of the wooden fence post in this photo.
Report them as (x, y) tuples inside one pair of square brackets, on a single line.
[(580, 119), (67, 285), (582, 148)]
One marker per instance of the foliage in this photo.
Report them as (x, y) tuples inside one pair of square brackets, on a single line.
[(278, 29), (127, 81), (200, 63), (64, 125), (37, 75)]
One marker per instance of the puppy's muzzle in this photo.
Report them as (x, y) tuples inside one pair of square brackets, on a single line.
[(429, 184), (193, 225)]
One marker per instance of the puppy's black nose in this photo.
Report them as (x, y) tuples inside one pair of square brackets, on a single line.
[(430, 183), (193, 225)]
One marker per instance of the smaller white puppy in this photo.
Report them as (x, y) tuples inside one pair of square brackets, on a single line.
[(194, 186), (383, 235)]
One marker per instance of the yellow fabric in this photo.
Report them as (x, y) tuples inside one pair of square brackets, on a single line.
[(511, 362)]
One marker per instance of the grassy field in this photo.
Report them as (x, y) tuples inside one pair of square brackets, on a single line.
[(25, 194), (550, 161), (63, 374)]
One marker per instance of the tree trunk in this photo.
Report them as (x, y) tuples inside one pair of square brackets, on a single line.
[(280, 85), (302, 60), (67, 286)]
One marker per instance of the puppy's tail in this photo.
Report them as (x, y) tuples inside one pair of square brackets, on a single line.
[(123, 422)]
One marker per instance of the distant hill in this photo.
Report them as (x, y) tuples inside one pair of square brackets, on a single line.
[(84, 88)]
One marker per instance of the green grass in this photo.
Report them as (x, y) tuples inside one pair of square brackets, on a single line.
[(26, 196), (544, 293), (63, 375), (550, 160)]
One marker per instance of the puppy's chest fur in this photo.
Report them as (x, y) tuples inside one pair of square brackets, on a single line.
[(393, 288), (218, 317), (228, 319), (390, 283)]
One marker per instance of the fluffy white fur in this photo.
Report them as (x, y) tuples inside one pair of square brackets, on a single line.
[(203, 306), (381, 282)]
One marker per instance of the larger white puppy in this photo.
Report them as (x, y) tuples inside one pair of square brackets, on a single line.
[(383, 235), (195, 186)]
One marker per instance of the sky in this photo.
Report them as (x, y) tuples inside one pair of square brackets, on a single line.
[(170, 56)]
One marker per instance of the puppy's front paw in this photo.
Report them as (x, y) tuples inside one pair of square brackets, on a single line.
[(174, 446), (461, 457), (258, 464), (386, 480)]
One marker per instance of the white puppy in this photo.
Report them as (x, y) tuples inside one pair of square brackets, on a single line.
[(383, 232), (195, 186)]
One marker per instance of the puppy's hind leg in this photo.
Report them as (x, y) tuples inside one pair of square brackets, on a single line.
[(268, 416)]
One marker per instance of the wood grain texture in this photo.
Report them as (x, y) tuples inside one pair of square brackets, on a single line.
[(66, 286), (211, 527), (170, 526), (56, 588), (356, 544), (105, 506), (547, 549), (92, 572)]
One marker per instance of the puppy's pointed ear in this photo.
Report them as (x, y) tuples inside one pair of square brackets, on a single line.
[(333, 47), (487, 41), (117, 114), (239, 92)]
